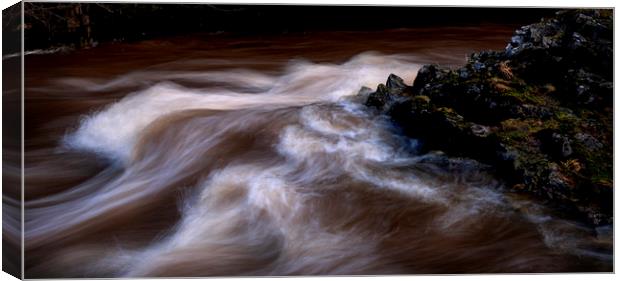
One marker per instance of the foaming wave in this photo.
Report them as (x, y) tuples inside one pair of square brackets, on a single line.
[(113, 131)]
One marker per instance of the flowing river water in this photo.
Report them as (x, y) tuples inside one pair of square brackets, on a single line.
[(217, 154)]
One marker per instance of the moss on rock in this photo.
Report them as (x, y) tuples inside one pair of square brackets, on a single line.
[(540, 111)]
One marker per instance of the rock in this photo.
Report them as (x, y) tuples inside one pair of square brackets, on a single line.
[(507, 154), (535, 111), (577, 41), (478, 66), (559, 184), (395, 84), (588, 141), (463, 73), (587, 88), (385, 95), (380, 98), (426, 75), (555, 144), (448, 119), (480, 131), (540, 111)]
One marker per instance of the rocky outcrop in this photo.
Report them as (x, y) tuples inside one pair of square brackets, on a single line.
[(540, 111)]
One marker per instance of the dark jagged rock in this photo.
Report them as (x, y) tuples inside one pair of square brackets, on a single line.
[(540, 111), (386, 95), (395, 84)]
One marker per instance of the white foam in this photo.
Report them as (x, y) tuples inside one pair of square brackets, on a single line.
[(114, 130), (352, 144)]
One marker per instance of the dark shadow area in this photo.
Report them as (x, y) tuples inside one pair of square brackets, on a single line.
[(87, 24)]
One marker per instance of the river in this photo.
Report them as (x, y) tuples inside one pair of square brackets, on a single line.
[(218, 155)]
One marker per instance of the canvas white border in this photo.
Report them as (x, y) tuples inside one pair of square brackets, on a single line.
[(504, 3)]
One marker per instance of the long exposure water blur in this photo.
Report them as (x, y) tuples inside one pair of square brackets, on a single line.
[(218, 154)]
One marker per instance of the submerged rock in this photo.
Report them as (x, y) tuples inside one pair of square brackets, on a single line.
[(540, 111)]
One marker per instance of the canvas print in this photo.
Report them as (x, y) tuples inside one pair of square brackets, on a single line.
[(199, 140)]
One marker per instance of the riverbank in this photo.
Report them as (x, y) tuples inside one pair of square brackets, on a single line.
[(86, 25), (540, 112)]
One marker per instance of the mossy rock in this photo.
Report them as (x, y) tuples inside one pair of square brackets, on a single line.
[(539, 111)]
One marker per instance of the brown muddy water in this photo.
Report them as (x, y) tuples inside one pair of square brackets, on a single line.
[(213, 154)]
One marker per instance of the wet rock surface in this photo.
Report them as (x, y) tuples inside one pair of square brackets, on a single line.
[(540, 112)]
